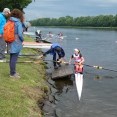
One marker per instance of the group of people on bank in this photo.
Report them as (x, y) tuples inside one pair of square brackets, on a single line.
[(14, 47)]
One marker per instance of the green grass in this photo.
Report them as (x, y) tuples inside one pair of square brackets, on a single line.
[(20, 97)]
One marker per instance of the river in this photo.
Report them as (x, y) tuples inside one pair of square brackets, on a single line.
[(98, 47)]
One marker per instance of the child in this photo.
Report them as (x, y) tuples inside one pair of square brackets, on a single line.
[(78, 61)]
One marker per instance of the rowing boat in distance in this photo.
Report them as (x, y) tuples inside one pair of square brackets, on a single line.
[(44, 40), (36, 45), (29, 33)]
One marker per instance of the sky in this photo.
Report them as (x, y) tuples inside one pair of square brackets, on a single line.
[(73, 8)]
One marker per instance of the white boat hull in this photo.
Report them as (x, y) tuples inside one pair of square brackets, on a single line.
[(36, 45), (79, 83), (29, 33)]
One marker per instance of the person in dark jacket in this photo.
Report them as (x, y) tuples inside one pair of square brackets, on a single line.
[(55, 49)]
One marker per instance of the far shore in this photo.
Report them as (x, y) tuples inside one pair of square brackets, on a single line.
[(77, 27)]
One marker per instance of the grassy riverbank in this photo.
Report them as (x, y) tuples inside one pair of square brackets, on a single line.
[(20, 97)]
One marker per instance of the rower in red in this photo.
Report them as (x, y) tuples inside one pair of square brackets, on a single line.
[(78, 61)]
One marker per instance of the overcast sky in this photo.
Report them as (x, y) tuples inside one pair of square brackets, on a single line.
[(73, 8)]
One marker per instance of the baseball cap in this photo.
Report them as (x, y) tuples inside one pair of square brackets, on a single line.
[(7, 10), (76, 49)]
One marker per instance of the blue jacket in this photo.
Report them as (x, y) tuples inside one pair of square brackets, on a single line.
[(16, 45), (2, 22), (52, 50)]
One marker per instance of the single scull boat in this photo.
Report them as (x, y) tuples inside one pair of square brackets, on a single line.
[(79, 83)]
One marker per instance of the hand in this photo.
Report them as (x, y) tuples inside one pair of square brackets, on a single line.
[(39, 57), (69, 62), (80, 63), (61, 59), (0, 35), (58, 61)]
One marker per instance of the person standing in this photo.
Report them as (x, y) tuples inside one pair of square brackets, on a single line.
[(3, 17), (78, 61), (55, 48), (14, 47)]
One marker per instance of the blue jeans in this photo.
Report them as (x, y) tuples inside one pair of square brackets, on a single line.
[(54, 59), (2, 47), (12, 63)]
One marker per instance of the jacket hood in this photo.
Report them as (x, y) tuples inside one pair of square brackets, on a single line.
[(3, 14), (14, 19)]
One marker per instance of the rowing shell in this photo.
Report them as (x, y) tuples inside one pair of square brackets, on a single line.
[(79, 83), (36, 45)]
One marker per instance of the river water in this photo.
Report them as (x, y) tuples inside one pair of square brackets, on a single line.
[(98, 47)]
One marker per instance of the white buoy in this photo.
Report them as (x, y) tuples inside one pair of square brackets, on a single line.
[(77, 38)]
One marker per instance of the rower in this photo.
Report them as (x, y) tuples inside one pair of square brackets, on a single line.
[(38, 35), (60, 34), (50, 32), (78, 61)]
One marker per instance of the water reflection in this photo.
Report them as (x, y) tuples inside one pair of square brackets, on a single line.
[(63, 84)]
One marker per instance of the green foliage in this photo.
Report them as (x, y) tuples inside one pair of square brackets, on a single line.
[(20, 97), (11, 4), (88, 21)]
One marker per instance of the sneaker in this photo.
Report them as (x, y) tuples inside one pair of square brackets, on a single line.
[(55, 67), (15, 76)]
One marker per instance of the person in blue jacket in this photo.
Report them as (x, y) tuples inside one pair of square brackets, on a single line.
[(55, 48), (14, 48), (3, 16)]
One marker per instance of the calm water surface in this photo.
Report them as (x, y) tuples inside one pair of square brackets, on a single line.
[(99, 95)]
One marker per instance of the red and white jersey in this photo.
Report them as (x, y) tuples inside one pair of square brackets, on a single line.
[(77, 58)]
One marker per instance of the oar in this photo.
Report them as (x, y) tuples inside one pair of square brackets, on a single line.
[(26, 54), (99, 67), (7, 61), (56, 61), (28, 62)]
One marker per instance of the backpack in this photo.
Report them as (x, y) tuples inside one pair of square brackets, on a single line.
[(9, 32)]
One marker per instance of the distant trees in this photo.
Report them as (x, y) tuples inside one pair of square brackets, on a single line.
[(88, 21)]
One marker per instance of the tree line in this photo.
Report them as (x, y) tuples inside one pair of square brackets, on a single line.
[(87, 21)]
